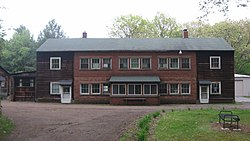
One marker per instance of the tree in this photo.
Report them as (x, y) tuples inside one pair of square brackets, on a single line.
[(19, 53), (52, 30), (131, 26), (2, 42), (222, 6)]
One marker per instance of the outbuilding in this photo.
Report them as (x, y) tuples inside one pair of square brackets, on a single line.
[(242, 85)]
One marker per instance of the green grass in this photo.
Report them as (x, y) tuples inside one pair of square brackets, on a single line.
[(247, 96), (6, 126), (195, 125)]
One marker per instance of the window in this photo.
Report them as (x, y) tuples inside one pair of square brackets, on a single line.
[(84, 89), (163, 63), (134, 89), (106, 63), (185, 88), (54, 88), (174, 88), (95, 63), (215, 88), (185, 63), (123, 63), (215, 62), (31, 82), (20, 82), (106, 88), (135, 63), (118, 89), (163, 88), (146, 63), (150, 89), (174, 63), (3, 84), (55, 63), (95, 88), (84, 63)]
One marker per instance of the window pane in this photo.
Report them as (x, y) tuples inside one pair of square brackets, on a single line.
[(85, 88), (106, 88), (135, 63), (137, 89), (185, 88), (131, 89), (147, 89), (123, 63), (95, 63), (153, 89), (215, 88), (95, 88), (84, 63), (163, 88), (185, 63), (174, 89), (115, 89), (215, 62), (174, 63), (106, 63), (146, 63), (31, 83), (163, 63), (55, 88), (122, 89)]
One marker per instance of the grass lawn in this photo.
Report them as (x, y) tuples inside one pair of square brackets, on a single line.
[(6, 126), (247, 96), (197, 125)]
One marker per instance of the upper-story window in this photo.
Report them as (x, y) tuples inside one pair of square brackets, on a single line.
[(135, 63), (106, 63), (215, 62), (55, 63), (146, 63), (162, 63), (95, 63), (123, 63), (174, 63), (185, 63), (84, 64)]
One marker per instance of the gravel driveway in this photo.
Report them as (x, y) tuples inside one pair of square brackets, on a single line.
[(72, 122)]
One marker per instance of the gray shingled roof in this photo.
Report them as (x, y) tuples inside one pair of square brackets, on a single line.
[(134, 79), (135, 44)]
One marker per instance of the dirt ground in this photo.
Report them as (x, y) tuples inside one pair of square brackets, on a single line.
[(80, 122)]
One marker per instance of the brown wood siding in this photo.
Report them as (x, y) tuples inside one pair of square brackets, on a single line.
[(45, 75), (225, 75), (6, 90)]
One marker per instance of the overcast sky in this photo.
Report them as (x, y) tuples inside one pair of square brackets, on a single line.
[(93, 16)]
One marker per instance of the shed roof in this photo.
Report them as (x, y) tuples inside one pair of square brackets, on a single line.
[(126, 79), (135, 44), (241, 76)]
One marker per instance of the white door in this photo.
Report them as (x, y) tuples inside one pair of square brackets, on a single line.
[(66, 94), (204, 94), (239, 88)]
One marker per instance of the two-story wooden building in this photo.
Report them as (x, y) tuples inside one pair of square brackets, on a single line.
[(133, 71)]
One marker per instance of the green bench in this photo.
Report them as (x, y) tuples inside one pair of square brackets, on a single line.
[(228, 118)]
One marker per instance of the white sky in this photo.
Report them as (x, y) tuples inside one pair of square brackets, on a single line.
[(93, 16)]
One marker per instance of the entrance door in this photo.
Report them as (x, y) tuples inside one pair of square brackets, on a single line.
[(204, 94), (66, 94)]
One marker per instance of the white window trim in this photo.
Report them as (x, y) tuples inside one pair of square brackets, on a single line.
[(134, 89), (81, 89), (177, 91), (189, 89), (51, 83), (119, 89), (120, 62), (211, 89), (92, 62), (81, 63), (99, 89), (150, 89), (52, 58), (210, 62), (139, 66), (159, 63), (150, 63), (189, 67), (178, 63), (110, 63)]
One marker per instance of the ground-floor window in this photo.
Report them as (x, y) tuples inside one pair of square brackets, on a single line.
[(215, 88), (134, 89), (54, 88), (84, 89), (185, 88), (106, 88), (174, 88), (119, 89), (150, 89), (95, 88), (163, 88)]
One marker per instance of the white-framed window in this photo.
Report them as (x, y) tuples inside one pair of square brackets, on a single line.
[(31, 82), (106, 88), (185, 63), (163, 88), (134, 89), (20, 82), (150, 89), (54, 88), (84, 89), (174, 63), (185, 88), (162, 63), (135, 63), (123, 63), (84, 63), (55, 63), (95, 63), (146, 63), (119, 89), (215, 62), (106, 63), (95, 88), (174, 88), (215, 88)]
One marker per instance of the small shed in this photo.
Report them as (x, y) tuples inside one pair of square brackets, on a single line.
[(242, 85)]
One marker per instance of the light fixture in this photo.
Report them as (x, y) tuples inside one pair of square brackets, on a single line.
[(180, 52)]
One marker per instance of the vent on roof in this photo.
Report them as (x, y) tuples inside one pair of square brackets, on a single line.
[(84, 34), (185, 33)]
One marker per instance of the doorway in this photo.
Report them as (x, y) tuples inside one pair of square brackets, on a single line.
[(204, 93)]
